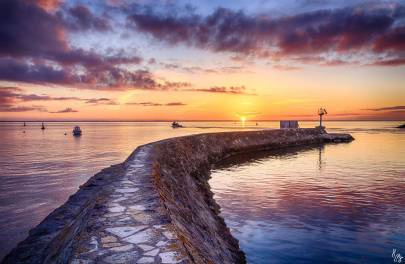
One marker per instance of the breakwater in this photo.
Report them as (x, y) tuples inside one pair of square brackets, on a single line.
[(156, 207)]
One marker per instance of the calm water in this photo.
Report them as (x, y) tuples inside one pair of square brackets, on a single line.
[(39, 169), (340, 203)]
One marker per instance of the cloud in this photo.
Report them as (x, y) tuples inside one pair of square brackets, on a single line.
[(199, 70), (48, 5), (82, 19), (12, 108), (97, 101), (374, 29), (390, 62), (345, 114), (157, 104), (225, 90), (66, 110), (35, 49), (11, 95), (101, 77), (175, 104), (399, 107), (285, 67)]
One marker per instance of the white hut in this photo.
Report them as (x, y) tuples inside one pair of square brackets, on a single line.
[(289, 124)]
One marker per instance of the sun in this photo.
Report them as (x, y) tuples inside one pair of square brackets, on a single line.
[(243, 119)]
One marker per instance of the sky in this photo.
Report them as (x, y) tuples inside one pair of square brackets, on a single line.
[(201, 60)]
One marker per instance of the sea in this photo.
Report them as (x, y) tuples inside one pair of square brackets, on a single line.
[(336, 203)]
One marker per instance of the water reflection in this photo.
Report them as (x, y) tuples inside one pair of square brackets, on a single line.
[(39, 169), (320, 148), (326, 204)]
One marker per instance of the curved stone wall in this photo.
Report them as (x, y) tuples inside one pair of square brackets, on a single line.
[(180, 169)]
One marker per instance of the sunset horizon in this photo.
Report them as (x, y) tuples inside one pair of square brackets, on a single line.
[(194, 132), (159, 60)]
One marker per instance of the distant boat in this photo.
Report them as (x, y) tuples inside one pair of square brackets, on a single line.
[(176, 125), (42, 127), (77, 131)]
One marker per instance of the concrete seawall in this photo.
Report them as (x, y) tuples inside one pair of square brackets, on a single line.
[(156, 207)]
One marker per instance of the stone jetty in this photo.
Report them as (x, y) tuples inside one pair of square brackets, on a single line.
[(156, 207)]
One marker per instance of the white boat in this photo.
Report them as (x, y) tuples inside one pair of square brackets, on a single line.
[(77, 131)]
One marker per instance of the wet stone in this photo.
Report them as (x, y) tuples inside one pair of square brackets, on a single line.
[(122, 248), (121, 258), (127, 190), (109, 245), (139, 207), (119, 200), (116, 209), (145, 247), (127, 223), (112, 215), (141, 237), (169, 235), (124, 231), (141, 217), (146, 260), (152, 253), (169, 257), (81, 261), (161, 244), (108, 239)]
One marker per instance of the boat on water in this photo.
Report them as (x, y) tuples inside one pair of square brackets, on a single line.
[(42, 127), (77, 131), (176, 124)]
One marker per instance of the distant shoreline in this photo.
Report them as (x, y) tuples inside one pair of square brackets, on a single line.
[(165, 121)]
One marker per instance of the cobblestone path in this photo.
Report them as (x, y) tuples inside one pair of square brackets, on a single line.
[(128, 225)]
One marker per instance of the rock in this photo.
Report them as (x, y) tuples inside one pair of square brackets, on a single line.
[(161, 244), (141, 237), (110, 245), (122, 258), (122, 248), (81, 261), (152, 253), (108, 239), (145, 247), (169, 257), (146, 260), (169, 235), (124, 231), (401, 126), (127, 190), (116, 209)]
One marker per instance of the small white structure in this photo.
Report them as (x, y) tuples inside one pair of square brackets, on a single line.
[(289, 124)]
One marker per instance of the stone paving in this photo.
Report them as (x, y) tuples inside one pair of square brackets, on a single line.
[(128, 224)]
